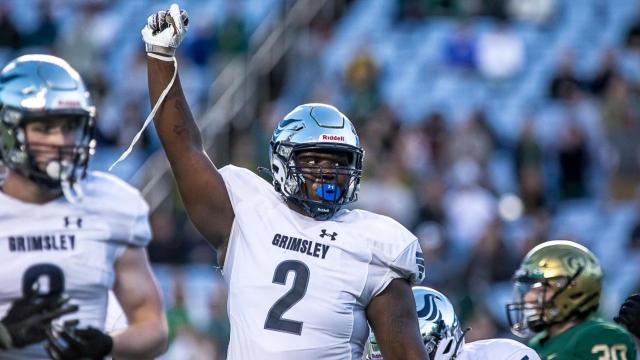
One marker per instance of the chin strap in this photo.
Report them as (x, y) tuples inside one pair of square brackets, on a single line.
[(155, 107), (72, 192)]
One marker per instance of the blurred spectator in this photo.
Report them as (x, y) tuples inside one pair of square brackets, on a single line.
[(218, 329), (564, 83), (430, 200), (471, 140), (495, 8), (199, 250), (634, 242), (409, 10), (437, 140), (202, 44), (233, 39), (491, 261), (361, 88), (379, 136), (386, 194), (460, 48), (79, 45), (445, 268), (165, 248), (10, 37), (413, 153), (605, 73), (307, 54), (177, 315), (573, 158), (481, 324), (440, 7), (534, 11), (469, 207), (528, 160), (192, 345), (132, 81), (632, 40), (537, 227), (46, 32), (501, 53), (621, 120), (131, 120), (630, 54)]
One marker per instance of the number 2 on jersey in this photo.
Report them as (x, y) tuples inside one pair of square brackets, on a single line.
[(274, 319)]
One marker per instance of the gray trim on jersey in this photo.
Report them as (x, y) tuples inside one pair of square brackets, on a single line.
[(356, 330)]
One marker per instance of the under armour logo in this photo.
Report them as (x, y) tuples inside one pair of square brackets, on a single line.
[(71, 221), (324, 233)]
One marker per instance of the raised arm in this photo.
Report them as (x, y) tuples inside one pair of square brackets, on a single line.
[(393, 318), (200, 184)]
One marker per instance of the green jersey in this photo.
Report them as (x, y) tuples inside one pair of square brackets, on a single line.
[(592, 339)]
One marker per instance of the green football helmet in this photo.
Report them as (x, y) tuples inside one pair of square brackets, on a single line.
[(558, 281)]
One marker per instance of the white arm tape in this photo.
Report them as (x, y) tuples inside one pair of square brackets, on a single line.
[(155, 107)]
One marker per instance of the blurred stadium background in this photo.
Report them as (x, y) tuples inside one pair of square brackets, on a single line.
[(489, 126)]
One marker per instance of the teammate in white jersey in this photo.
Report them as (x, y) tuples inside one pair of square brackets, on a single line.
[(444, 339), (304, 275), (64, 231)]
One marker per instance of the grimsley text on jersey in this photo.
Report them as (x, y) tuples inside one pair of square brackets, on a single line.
[(302, 245), (52, 242)]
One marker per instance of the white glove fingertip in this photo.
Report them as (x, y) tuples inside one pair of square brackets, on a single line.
[(174, 10), (176, 15)]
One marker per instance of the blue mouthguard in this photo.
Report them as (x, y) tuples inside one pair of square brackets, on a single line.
[(328, 192)]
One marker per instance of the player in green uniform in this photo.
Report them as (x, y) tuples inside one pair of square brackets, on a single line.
[(557, 290)]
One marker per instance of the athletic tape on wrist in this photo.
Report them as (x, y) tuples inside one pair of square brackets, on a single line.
[(155, 107)]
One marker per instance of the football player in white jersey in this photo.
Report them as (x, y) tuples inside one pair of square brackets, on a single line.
[(66, 231), (304, 274), (444, 339)]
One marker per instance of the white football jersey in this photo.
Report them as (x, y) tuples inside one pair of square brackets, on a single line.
[(59, 245), (298, 288), (497, 349)]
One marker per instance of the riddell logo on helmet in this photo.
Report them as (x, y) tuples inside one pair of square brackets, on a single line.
[(68, 103), (332, 138)]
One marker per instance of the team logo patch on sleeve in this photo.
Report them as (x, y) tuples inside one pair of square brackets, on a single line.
[(420, 265)]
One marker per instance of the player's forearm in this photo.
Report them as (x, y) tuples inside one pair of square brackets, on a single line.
[(174, 122), (145, 340)]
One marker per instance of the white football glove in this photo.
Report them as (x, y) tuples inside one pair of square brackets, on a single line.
[(165, 30)]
